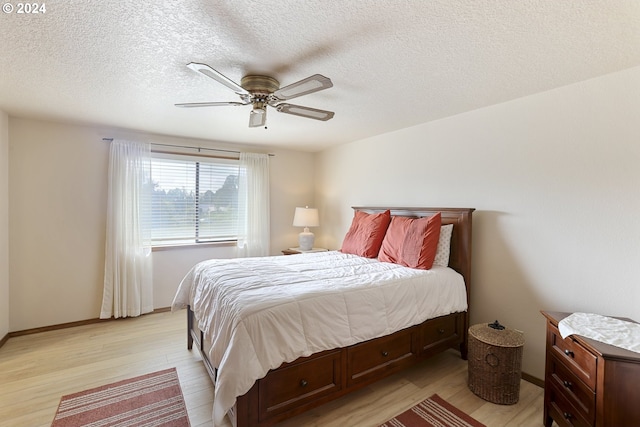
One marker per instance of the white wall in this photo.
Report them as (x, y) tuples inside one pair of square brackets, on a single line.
[(4, 224), (57, 194), (555, 181)]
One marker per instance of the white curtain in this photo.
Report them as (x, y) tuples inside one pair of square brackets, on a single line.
[(253, 205), (128, 270)]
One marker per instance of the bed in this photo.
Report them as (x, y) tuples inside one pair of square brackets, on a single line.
[(271, 360)]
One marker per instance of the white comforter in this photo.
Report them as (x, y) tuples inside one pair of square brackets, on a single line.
[(261, 312)]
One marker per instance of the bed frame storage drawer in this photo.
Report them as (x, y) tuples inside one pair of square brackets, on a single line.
[(440, 332), (370, 359), (303, 381)]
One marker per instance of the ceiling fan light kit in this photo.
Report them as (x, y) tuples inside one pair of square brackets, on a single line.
[(260, 91), (257, 117)]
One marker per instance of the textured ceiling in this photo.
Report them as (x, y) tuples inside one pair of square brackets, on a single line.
[(393, 63)]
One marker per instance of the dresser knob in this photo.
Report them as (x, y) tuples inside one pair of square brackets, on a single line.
[(385, 353), (567, 415), (441, 331), (569, 353), (567, 384), (303, 383)]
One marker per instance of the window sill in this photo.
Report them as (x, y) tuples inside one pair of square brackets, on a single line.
[(193, 245)]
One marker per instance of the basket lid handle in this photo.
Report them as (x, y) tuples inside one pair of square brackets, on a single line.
[(496, 325)]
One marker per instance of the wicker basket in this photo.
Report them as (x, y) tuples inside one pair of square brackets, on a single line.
[(495, 362)]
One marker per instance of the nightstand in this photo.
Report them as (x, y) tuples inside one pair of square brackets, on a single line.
[(295, 251)]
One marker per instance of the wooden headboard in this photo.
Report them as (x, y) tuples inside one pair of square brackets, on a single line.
[(460, 259)]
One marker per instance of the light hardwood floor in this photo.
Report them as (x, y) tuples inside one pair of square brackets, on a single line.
[(36, 370)]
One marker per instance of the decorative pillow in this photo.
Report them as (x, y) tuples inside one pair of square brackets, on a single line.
[(411, 242), (366, 233), (444, 246), (421, 241), (391, 249)]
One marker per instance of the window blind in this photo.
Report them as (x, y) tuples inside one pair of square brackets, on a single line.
[(194, 199)]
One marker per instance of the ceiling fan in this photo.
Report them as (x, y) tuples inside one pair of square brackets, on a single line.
[(260, 91)]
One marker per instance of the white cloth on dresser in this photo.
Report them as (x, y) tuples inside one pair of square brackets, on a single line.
[(608, 330)]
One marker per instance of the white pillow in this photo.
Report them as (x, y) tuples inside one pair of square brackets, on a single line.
[(444, 246)]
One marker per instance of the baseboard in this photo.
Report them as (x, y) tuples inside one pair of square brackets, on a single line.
[(4, 340), (533, 380), (68, 325)]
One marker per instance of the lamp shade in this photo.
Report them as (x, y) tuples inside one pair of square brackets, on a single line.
[(306, 217)]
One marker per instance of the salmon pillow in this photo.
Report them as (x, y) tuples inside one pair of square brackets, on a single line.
[(391, 249), (366, 233), (412, 242)]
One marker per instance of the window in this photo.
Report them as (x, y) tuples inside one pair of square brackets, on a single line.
[(195, 199)]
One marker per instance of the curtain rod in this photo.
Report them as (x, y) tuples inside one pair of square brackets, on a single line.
[(190, 147)]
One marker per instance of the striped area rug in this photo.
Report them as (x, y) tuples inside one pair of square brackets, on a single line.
[(149, 400), (433, 412)]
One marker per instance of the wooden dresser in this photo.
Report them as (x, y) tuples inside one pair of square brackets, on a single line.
[(589, 383)]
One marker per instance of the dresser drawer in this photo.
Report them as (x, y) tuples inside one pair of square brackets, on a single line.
[(582, 397), (292, 385), (368, 359), (563, 411), (580, 360)]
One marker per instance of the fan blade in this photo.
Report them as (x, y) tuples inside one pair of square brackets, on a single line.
[(209, 104), (303, 87), (213, 74), (258, 117), (310, 113)]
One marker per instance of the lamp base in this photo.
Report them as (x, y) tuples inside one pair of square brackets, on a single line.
[(305, 240)]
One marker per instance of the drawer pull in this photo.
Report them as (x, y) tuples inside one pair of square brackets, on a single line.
[(303, 383), (567, 415), (385, 353), (441, 331), (567, 384), (569, 353)]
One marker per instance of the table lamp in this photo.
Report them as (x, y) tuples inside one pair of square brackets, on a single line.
[(306, 217)]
